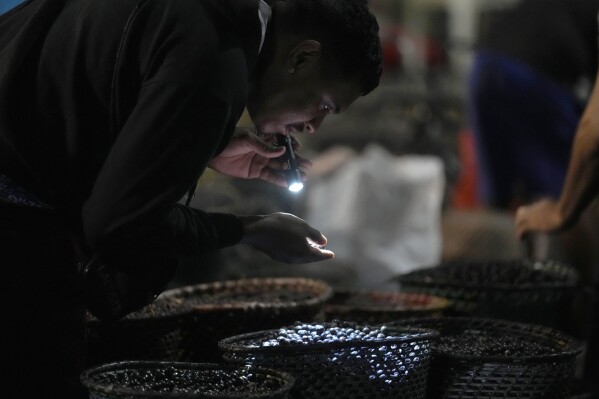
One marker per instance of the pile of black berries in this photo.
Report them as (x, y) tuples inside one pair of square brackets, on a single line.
[(489, 273), (481, 343), (160, 307), (378, 302), (268, 297), (177, 380), (306, 334)]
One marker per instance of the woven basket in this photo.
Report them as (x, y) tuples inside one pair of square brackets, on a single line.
[(146, 379), (223, 309), (154, 332), (519, 290), (395, 366), (371, 307), (470, 359)]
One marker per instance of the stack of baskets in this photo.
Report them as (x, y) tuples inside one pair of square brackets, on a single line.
[(185, 324), (539, 292), (292, 338), (224, 309), (342, 359), (146, 379), (489, 358)]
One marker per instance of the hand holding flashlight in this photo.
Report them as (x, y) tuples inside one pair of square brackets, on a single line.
[(292, 173)]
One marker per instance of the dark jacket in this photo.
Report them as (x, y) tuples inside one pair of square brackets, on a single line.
[(111, 109)]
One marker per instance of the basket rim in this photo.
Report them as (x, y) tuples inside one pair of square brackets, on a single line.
[(86, 379), (494, 287), (409, 278), (326, 291), (230, 344), (138, 316), (575, 346), (436, 302)]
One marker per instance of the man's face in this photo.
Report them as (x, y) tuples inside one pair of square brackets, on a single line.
[(294, 102)]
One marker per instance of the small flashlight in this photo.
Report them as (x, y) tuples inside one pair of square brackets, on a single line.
[(293, 174)]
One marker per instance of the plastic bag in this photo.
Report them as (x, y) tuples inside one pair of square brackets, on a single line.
[(381, 212)]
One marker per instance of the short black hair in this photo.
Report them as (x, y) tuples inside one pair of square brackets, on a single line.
[(348, 32)]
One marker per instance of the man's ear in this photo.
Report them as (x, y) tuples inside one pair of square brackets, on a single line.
[(304, 54)]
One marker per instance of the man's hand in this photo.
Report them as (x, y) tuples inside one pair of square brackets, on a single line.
[(542, 216), (251, 157), (285, 238)]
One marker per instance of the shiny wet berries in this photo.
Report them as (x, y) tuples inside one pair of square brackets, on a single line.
[(304, 334)]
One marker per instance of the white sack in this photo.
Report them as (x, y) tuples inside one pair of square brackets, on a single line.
[(381, 211)]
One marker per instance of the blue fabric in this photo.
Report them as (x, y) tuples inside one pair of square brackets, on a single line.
[(10, 192), (524, 125), (6, 5)]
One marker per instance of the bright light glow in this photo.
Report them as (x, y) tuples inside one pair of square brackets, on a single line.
[(295, 187)]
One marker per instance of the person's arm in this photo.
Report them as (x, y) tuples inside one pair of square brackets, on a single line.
[(582, 180), (183, 112)]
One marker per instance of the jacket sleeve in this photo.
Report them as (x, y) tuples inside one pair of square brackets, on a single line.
[(173, 131), (174, 128)]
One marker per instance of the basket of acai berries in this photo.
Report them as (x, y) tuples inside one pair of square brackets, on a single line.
[(489, 358), (186, 323), (340, 359), (226, 308), (375, 307), (540, 292), (154, 332), (170, 380)]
